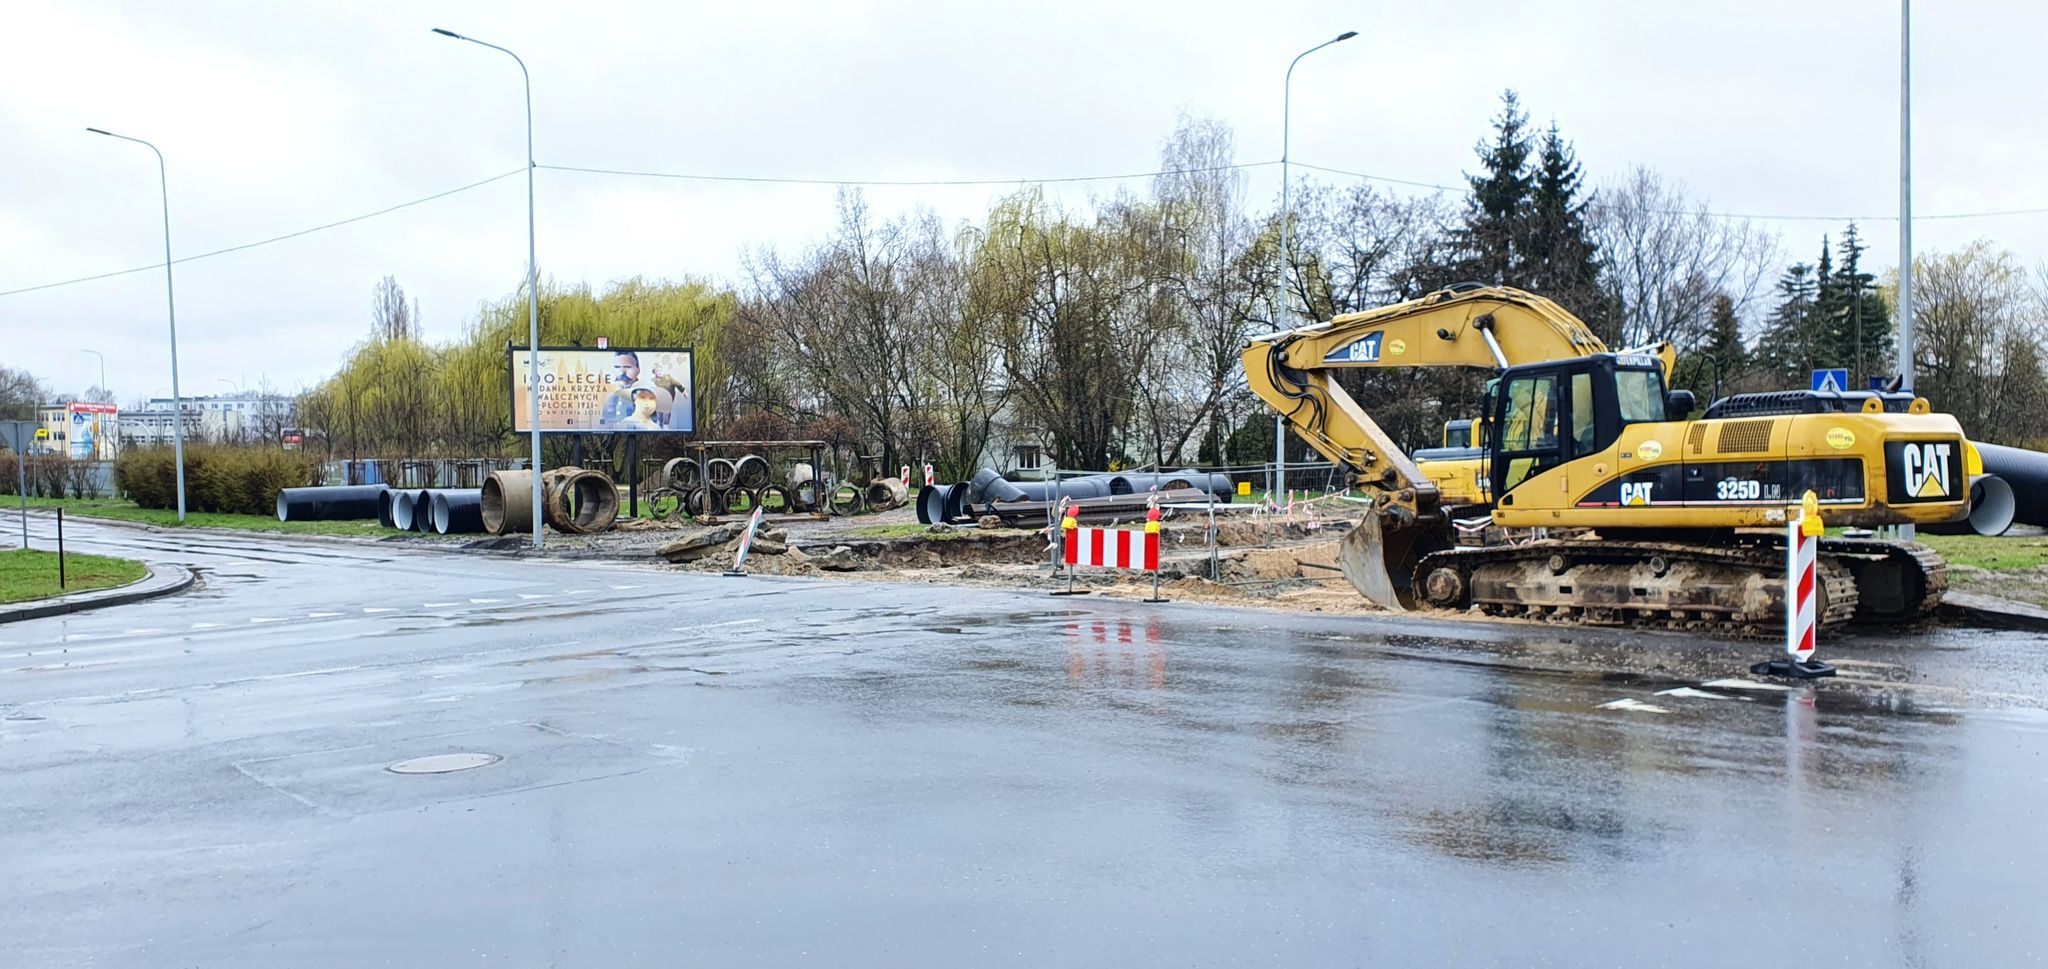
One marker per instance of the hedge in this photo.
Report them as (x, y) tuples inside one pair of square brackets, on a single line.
[(237, 480)]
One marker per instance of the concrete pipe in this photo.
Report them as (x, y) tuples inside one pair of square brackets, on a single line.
[(886, 493), (719, 473), (331, 504), (457, 511), (507, 501), (776, 499), (581, 502), (751, 472), (845, 500), (682, 474)]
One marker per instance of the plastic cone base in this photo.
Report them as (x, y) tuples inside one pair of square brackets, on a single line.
[(1793, 669)]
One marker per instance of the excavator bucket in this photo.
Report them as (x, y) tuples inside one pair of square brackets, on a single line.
[(1380, 559)]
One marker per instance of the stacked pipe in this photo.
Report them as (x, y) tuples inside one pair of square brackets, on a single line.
[(949, 503), (331, 504)]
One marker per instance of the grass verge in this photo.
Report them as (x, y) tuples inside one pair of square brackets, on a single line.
[(27, 574), (1991, 553), (120, 509)]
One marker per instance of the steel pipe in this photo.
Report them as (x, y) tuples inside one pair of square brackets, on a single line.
[(330, 504)]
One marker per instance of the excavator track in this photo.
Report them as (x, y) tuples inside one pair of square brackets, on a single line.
[(1732, 590)]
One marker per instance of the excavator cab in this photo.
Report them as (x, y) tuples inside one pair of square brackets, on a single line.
[(1556, 411)]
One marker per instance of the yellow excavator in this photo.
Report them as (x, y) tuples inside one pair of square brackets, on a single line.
[(1585, 492)]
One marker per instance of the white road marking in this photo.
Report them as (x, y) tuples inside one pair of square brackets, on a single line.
[(484, 602), (75, 637), (141, 632), (206, 625), (536, 595), (377, 609), (578, 592), (322, 615), (438, 605), (1686, 691), (1627, 703), (264, 619), (622, 588), (1734, 684)]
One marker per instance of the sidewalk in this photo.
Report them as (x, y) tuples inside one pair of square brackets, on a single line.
[(164, 579)]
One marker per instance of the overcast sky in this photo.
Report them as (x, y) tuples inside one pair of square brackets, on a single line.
[(276, 117)]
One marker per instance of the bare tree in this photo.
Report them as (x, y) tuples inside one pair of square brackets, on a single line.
[(1667, 258), (391, 317), (20, 392), (1980, 319)]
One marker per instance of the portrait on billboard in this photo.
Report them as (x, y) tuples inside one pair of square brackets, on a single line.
[(622, 390)]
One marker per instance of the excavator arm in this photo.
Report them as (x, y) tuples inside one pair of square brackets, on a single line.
[(1484, 327)]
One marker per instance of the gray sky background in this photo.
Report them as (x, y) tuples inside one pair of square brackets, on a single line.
[(279, 116)]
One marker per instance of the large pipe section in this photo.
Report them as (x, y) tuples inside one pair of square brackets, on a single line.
[(506, 500), (580, 502), (458, 511), (2026, 472), (329, 504), (412, 511)]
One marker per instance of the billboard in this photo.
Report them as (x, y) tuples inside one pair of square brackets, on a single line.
[(90, 425), (620, 390)]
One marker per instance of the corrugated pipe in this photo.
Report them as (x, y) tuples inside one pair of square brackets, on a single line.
[(330, 504), (458, 511)]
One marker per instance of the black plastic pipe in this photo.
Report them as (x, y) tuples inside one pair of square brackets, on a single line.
[(330, 504), (458, 511)]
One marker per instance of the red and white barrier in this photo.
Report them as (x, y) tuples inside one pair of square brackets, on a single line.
[(1113, 548), (930, 479), (1803, 530), (1802, 576), (905, 475)]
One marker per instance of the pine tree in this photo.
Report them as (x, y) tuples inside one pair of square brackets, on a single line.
[(1867, 321), (1787, 345), (1496, 211), (1827, 317), (1724, 337), (1559, 260)]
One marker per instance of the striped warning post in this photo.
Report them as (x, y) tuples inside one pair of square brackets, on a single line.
[(1802, 579), (1802, 595)]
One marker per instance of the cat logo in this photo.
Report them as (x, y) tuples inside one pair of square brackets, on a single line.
[(1366, 349), (1636, 492), (1926, 470)]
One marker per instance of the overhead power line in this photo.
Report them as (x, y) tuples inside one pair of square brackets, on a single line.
[(264, 242), (939, 183), (1760, 217), (905, 183)]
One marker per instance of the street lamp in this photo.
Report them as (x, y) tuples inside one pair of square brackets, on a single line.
[(103, 366), (170, 296), (532, 284), (1286, 222)]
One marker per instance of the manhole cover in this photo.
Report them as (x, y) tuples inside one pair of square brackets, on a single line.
[(444, 763)]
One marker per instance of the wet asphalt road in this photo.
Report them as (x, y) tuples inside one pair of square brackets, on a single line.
[(710, 771)]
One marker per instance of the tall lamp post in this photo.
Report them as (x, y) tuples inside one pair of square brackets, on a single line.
[(103, 365), (171, 298), (1286, 222), (1906, 208), (532, 284)]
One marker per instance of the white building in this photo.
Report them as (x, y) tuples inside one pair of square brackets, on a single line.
[(218, 419)]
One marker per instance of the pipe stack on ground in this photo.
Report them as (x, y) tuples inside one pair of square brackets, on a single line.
[(457, 511), (412, 511), (330, 504)]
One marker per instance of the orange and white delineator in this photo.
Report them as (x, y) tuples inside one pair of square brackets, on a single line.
[(1802, 595)]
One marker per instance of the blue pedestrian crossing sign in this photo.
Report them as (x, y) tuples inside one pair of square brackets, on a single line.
[(1833, 381)]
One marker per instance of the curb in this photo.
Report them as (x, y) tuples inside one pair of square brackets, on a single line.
[(146, 588), (1983, 610)]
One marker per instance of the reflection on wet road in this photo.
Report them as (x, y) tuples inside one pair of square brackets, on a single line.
[(698, 770)]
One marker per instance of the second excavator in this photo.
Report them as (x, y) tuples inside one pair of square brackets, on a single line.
[(1589, 493)]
